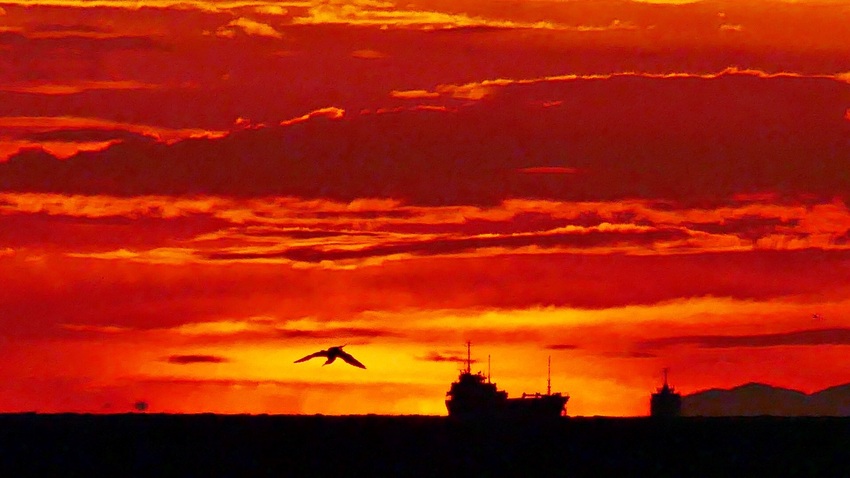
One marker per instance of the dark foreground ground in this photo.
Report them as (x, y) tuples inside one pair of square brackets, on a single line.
[(215, 445)]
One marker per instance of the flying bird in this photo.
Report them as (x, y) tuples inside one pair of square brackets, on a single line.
[(332, 354), (817, 316)]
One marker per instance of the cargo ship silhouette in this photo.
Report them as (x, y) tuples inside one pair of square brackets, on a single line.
[(474, 396)]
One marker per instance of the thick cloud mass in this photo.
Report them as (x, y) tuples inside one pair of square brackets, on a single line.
[(683, 139)]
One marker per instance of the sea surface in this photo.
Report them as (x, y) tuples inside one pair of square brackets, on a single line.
[(206, 445)]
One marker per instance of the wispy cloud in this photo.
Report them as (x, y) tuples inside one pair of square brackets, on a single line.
[(389, 15), (338, 333), (206, 6), (445, 357), (562, 347), (30, 124), (327, 112), (193, 359), (249, 27), (268, 328), (92, 40), (577, 237), (99, 329), (271, 9), (227, 327), (481, 89), (159, 255), (77, 87), (413, 94), (383, 14), (368, 54)]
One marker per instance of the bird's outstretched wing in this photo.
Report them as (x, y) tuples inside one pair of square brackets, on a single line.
[(350, 360), (321, 353)]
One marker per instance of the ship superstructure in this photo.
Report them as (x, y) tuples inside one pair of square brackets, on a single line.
[(475, 396)]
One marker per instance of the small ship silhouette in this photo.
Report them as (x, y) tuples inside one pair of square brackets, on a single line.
[(666, 402), (332, 354)]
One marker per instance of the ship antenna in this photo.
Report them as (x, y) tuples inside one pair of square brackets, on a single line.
[(666, 369), (468, 357), (549, 378), (488, 368)]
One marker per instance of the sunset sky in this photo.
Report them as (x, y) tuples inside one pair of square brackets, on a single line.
[(194, 194)]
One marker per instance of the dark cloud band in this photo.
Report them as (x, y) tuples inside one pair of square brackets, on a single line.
[(813, 337)]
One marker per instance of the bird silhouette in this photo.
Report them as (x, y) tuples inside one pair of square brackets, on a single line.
[(332, 354)]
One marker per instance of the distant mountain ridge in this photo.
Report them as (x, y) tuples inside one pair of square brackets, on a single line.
[(754, 399)]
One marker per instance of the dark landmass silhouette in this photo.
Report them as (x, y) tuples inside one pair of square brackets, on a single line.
[(755, 399), (243, 445)]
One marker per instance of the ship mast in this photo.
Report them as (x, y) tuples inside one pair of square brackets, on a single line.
[(468, 357), (488, 368), (549, 378)]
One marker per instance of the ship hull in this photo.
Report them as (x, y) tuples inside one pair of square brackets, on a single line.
[(665, 405), (543, 406)]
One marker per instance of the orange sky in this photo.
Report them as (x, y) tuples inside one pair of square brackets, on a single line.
[(195, 194)]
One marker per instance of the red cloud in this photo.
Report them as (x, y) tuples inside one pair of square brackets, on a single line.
[(741, 134), (331, 112), (812, 337)]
